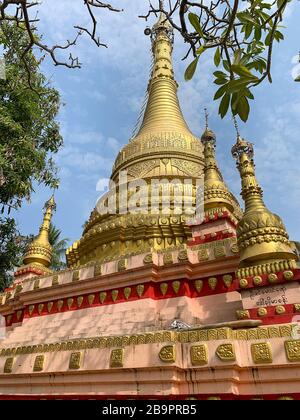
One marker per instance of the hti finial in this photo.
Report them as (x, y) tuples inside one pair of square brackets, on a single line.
[(236, 126), (206, 118), (161, 5)]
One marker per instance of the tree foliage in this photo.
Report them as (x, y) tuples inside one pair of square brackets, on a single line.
[(12, 249), (29, 135), (59, 247)]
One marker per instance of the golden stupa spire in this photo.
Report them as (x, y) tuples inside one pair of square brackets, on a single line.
[(262, 237), (216, 192), (163, 110), (40, 251)]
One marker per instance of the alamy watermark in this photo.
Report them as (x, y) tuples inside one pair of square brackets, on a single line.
[(154, 196)]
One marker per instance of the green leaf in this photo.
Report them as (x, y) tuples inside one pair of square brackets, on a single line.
[(242, 71), (243, 108), (257, 33), (190, 71), (249, 94), (226, 65), (217, 58), (200, 50), (237, 56), (220, 92), (194, 19), (219, 74), (248, 31), (268, 39), (224, 105), (220, 81), (278, 36), (237, 85)]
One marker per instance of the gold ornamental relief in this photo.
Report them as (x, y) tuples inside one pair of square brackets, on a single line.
[(79, 301), (199, 285), (9, 363), (102, 297), (199, 355), (116, 358), (148, 259), (91, 299), (292, 349), (261, 353), (190, 168), (163, 288), (226, 353), (75, 361), (176, 286), (127, 292), (203, 254), (141, 169), (212, 282), (167, 354), (39, 363)]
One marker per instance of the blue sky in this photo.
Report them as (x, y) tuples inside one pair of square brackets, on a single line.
[(103, 99)]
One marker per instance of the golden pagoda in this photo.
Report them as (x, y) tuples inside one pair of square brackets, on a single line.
[(164, 147), (158, 304), (39, 252), (262, 237)]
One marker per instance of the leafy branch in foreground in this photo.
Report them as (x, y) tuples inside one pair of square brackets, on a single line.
[(24, 14), (241, 35)]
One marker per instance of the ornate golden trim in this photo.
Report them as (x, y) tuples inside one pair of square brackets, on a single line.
[(283, 331)]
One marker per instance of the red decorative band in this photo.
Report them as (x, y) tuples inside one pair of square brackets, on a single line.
[(164, 290)]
